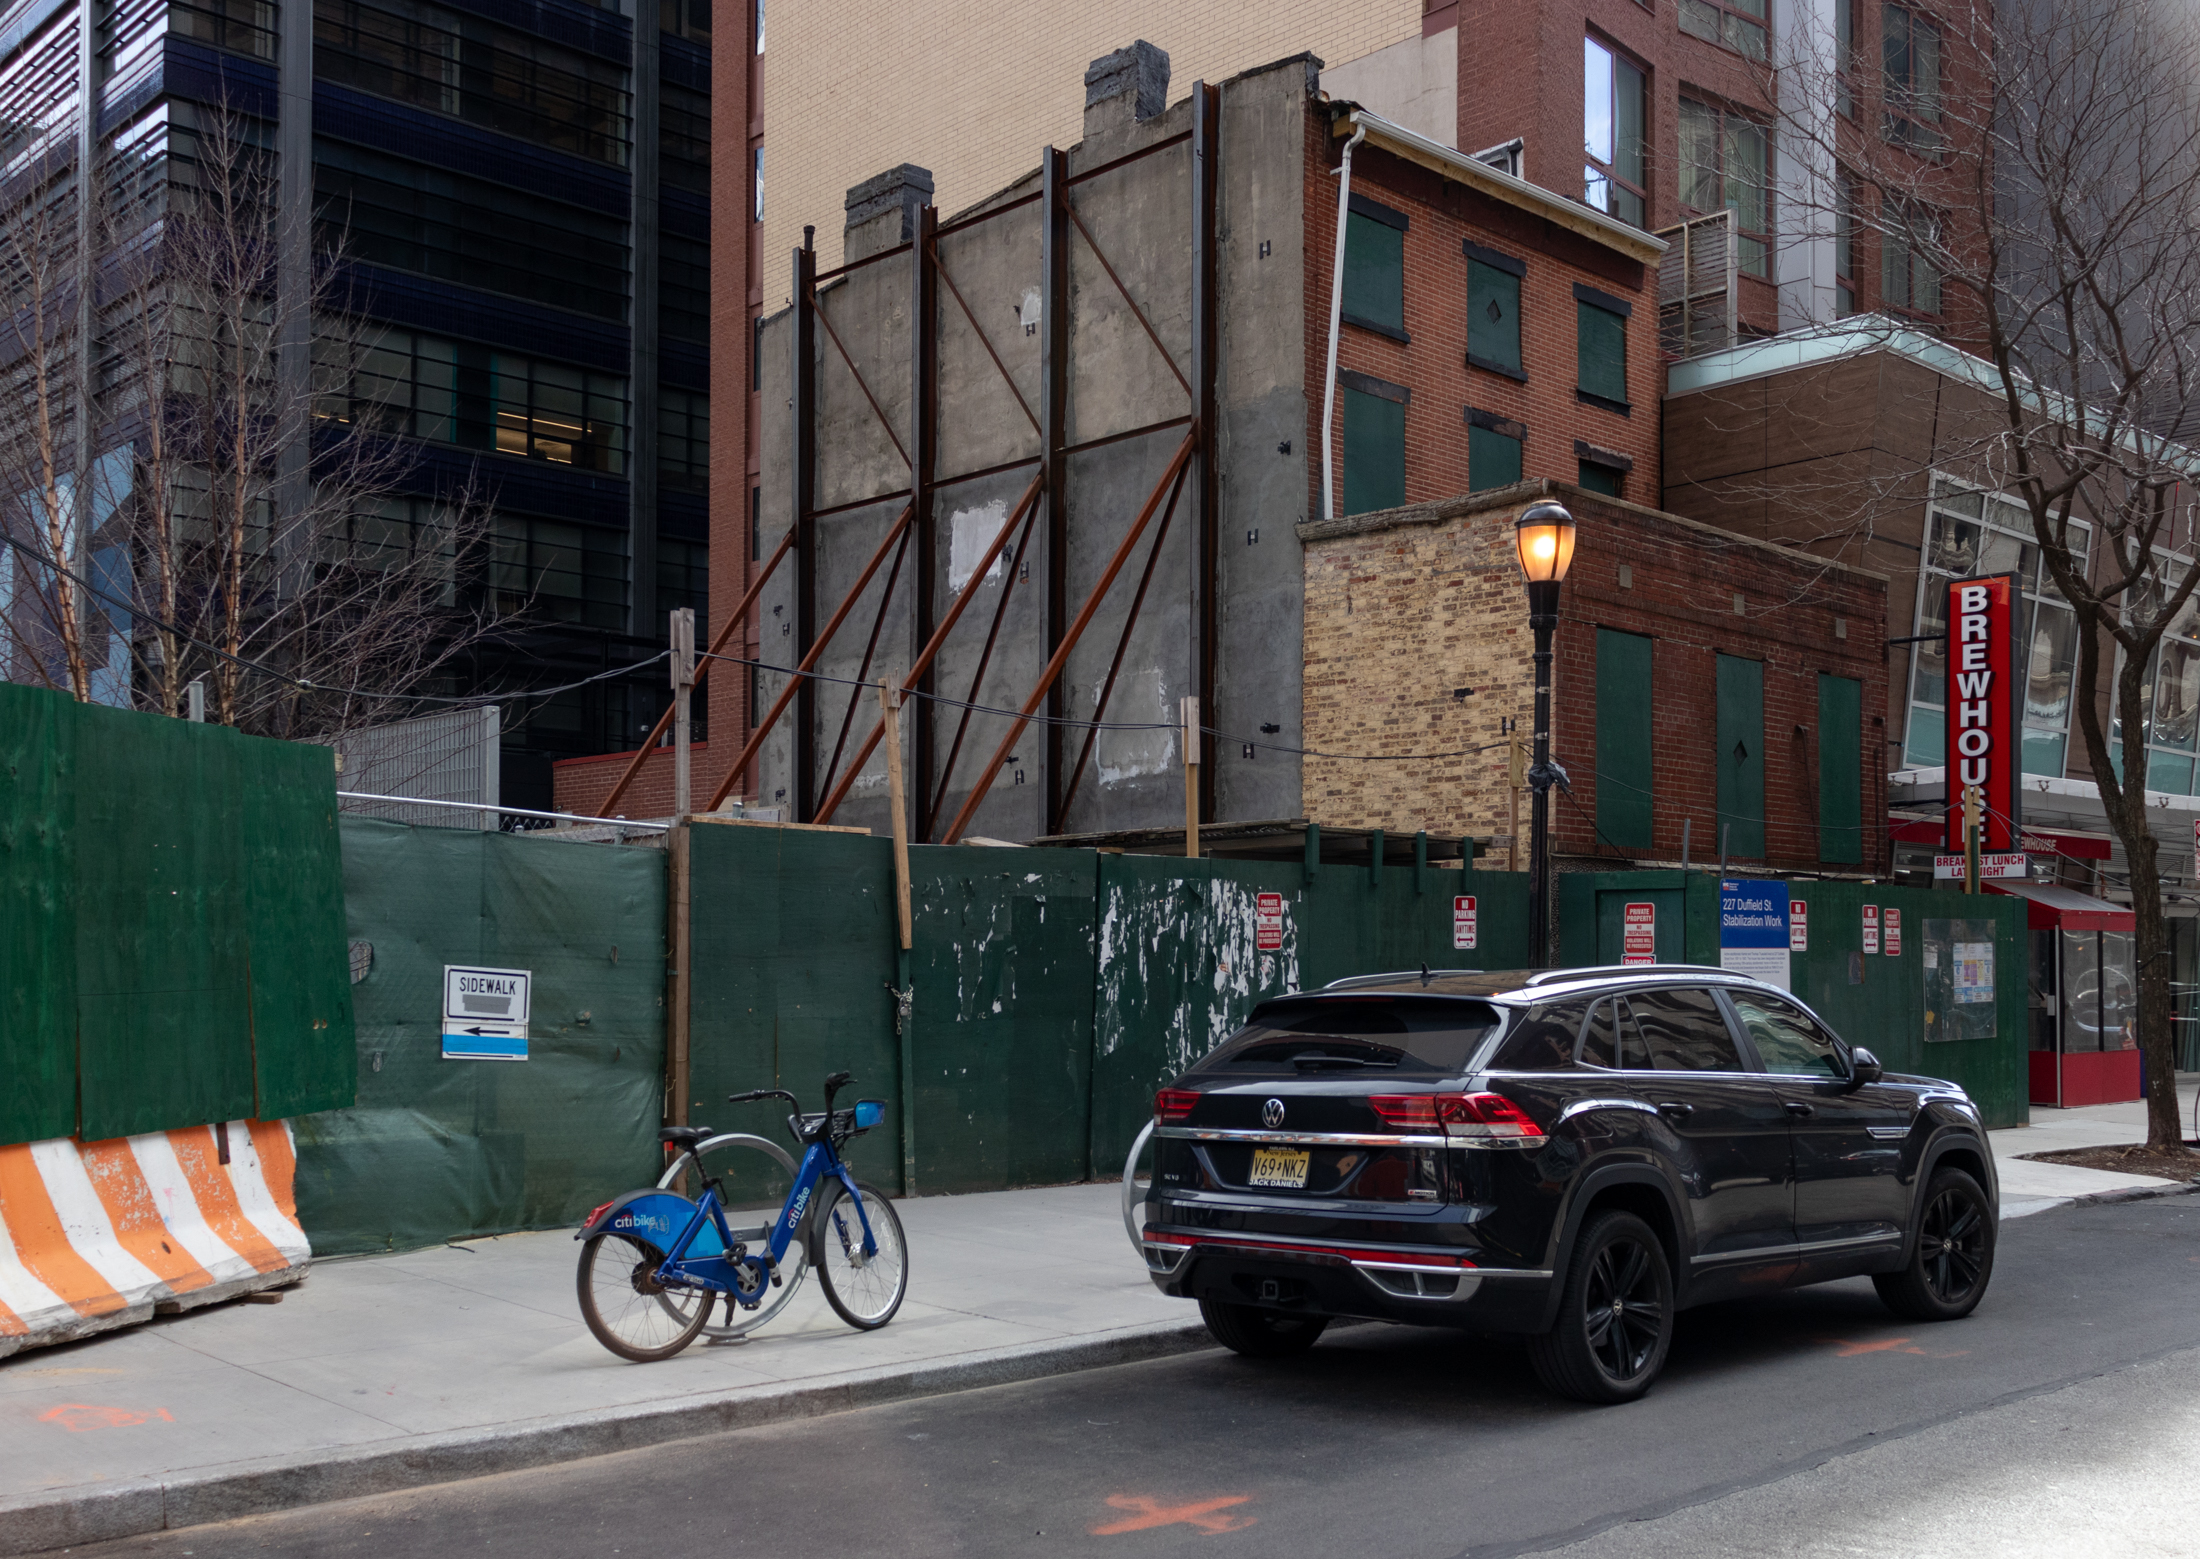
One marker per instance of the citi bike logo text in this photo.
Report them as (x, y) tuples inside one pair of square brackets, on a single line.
[(794, 1211)]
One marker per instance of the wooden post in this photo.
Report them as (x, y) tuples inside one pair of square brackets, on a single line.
[(683, 688), (1191, 737), (1970, 838), (889, 703), (677, 1086)]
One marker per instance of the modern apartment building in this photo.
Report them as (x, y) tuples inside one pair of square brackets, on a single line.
[(521, 193)]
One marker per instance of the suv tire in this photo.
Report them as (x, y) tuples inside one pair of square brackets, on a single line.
[(1258, 1333), (1952, 1258), (1615, 1314)]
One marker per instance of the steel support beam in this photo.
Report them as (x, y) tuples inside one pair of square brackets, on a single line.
[(804, 384), (1206, 503), (1054, 325), (924, 448)]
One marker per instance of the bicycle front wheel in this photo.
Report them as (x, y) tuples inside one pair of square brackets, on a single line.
[(627, 1309), (864, 1289)]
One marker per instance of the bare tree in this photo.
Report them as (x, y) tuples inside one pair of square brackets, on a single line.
[(2027, 178), (306, 606)]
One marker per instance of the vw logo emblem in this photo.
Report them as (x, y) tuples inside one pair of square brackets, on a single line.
[(1271, 1113)]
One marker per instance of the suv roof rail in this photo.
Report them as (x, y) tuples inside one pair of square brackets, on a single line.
[(1396, 975), (1544, 976)]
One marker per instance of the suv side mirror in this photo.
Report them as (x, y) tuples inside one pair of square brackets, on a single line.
[(1863, 1067)]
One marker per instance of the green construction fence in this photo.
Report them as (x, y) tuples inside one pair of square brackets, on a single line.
[(1890, 1002), (171, 924), (434, 1149)]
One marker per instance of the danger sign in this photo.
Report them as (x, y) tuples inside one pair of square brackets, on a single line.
[(1268, 922), (1639, 934), (1462, 923)]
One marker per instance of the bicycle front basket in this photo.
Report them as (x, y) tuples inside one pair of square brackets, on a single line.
[(869, 1112)]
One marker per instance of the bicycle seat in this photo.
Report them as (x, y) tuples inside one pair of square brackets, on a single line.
[(685, 1136)]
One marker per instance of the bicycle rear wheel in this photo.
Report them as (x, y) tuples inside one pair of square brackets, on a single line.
[(753, 1175), (865, 1290), (625, 1306)]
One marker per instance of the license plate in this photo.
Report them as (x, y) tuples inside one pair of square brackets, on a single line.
[(1283, 1169)]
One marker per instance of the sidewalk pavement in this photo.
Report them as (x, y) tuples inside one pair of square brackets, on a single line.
[(390, 1372)]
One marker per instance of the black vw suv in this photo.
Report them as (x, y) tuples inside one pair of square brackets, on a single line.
[(1574, 1154)]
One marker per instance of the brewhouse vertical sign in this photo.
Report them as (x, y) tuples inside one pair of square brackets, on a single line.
[(1982, 746)]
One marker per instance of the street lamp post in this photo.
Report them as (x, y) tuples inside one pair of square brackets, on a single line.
[(1544, 538)]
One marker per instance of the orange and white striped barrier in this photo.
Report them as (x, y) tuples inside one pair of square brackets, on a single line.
[(102, 1234)]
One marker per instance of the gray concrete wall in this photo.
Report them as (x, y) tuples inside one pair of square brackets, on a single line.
[(1141, 215)]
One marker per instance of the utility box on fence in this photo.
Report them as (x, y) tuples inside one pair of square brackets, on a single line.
[(1932, 982)]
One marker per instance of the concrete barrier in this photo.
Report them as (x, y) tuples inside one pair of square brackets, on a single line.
[(96, 1235)]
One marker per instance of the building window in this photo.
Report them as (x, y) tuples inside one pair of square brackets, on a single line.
[(1623, 739), (2171, 710), (1970, 534), (1596, 477), (241, 26), (1840, 770), (550, 411), (1845, 196), (1375, 268), (1741, 757), (1612, 121), (689, 19), (1601, 470), (1909, 278), (1726, 161), (760, 26), (683, 441), (756, 168), (386, 534), (756, 523), (1844, 57), (1737, 24), (495, 76), (1374, 442), (1601, 343), (683, 138), (683, 577), (1493, 311), (391, 381), (1910, 54), (389, 211), (683, 287), (1494, 448), (558, 570)]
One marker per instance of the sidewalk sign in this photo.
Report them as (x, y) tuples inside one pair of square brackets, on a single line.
[(485, 1013)]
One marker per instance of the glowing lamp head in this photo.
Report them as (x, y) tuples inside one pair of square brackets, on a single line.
[(1544, 537)]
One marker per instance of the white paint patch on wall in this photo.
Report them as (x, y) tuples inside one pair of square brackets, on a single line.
[(1122, 755), (971, 532)]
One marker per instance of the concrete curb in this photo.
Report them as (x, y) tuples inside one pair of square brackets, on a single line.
[(2137, 1193), (38, 1523)]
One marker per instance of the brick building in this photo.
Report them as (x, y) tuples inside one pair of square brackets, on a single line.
[(1702, 682)]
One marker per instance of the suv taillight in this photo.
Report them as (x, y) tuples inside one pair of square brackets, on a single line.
[(1485, 1119), (1174, 1104)]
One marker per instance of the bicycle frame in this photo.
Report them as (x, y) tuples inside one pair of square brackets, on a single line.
[(690, 1265)]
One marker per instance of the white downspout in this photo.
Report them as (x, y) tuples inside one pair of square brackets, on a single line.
[(1336, 314)]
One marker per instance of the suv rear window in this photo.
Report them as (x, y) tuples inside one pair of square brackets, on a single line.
[(1342, 1035)]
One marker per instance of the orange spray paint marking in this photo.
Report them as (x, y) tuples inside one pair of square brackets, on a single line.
[(1151, 1513), (1850, 1350), (76, 1417)]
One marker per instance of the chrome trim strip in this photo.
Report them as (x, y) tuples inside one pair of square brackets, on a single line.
[(1854, 1239), (1508, 1272), (1319, 1139), (1400, 1266), (1889, 1133), (1336, 1248), (1583, 1106), (1755, 1253)]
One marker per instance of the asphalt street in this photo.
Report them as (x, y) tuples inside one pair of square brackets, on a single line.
[(2061, 1418)]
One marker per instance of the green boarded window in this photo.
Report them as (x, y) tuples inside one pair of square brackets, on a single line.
[(1493, 459), (1603, 345), (1599, 478), (1374, 452), (1840, 770), (1493, 318), (1623, 739), (1741, 756), (1375, 268)]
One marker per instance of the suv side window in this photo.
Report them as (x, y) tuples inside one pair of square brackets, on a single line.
[(1685, 1031), (1542, 1039), (1788, 1041), (1610, 1041)]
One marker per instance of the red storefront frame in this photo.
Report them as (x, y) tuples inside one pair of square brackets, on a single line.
[(2074, 1078)]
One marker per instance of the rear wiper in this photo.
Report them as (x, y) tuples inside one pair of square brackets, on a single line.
[(1314, 1060)]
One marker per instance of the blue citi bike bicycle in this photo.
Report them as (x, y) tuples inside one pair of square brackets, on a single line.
[(655, 1264)]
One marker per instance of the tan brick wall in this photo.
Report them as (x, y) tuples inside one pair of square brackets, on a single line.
[(973, 91)]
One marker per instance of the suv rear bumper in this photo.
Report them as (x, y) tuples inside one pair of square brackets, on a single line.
[(1426, 1286)]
